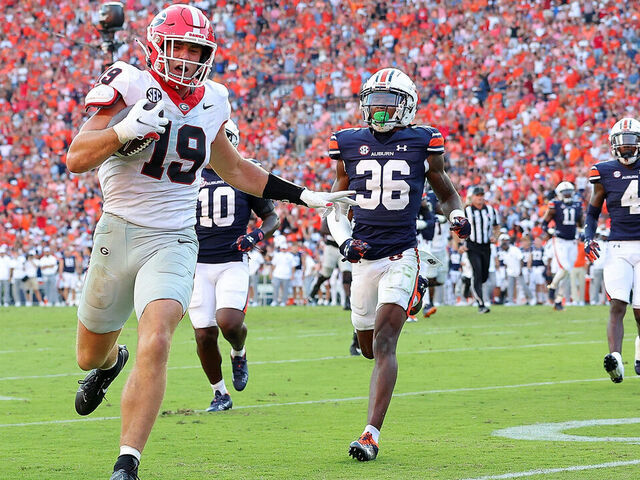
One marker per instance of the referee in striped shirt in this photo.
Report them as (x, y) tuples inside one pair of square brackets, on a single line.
[(484, 229)]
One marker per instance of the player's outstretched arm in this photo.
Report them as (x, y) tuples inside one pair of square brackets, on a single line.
[(447, 195), (250, 178)]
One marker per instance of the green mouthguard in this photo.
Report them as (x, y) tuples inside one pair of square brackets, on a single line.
[(381, 117)]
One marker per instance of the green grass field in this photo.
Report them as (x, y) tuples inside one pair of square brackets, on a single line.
[(463, 376)]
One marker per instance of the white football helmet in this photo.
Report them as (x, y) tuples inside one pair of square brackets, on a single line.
[(388, 88), (233, 132), (625, 140), (565, 191)]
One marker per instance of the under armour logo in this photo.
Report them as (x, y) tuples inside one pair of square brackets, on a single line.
[(402, 148)]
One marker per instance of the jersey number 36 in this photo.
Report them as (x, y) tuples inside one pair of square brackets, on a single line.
[(383, 188)]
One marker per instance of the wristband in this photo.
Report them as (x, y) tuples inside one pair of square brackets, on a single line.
[(455, 213), (279, 189)]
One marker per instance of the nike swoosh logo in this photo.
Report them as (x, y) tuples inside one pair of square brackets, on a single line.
[(204, 107)]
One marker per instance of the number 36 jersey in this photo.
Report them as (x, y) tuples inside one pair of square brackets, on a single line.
[(387, 171), (622, 194), (158, 186)]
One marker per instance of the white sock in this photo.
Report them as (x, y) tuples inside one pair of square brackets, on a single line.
[(219, 387), (375, 433), (238, 354), (637, 348), (127, 450)]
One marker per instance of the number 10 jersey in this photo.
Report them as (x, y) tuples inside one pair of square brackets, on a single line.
[(387, 171)]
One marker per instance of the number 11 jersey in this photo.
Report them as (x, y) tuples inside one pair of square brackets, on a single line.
[(387, 171)]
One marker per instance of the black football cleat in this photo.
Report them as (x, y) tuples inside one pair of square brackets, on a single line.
[(483, 309), (423, 283), (637, 367), (364, 449), (124, 475), (94, 386), (240, 371), (558, 306), (220, 402)]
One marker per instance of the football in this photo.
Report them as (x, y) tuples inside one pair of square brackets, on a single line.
[(132, 147)]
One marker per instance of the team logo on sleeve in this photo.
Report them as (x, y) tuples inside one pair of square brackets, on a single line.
[(617, 174), (364, 150), (154, 95)]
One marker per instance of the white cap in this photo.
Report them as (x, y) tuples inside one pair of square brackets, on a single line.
[(504, 236)]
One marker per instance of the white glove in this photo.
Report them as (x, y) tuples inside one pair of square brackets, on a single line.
[(326, 199), (420, 224), (441, 218), (140, 123)]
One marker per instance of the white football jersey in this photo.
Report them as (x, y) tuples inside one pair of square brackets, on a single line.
[(158, 187)]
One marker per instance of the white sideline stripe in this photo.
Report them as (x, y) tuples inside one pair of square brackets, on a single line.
[(12, 398), (340, 400), (341, 357), (544, 471)]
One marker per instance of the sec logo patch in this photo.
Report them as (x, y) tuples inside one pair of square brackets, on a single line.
[(617, 174), (154, 95), (364, 149)]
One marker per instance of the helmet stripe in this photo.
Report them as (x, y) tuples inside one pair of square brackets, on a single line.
[(391, 74), (195, 16), (384, 74)]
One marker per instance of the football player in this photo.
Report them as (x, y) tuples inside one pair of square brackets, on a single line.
[(145, 245), (386, 163), (221, 284), (616, 182), (566, 212)]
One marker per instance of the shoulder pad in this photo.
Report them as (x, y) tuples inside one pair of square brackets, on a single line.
[(594, 174), (435, 138), (101, 96)]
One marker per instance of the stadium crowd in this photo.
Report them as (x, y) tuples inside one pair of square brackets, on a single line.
[(524, 92)]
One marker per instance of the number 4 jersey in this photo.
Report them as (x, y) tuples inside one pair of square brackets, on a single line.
[(622, 195), (158, 187), (387, 171)]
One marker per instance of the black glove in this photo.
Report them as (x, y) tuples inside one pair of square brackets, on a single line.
[(354, 250), (244, 243), (461, 227)]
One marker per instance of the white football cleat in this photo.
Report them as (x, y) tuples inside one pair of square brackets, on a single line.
[(614, 367)]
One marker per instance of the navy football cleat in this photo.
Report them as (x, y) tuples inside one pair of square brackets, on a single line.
[(240, 371), (94, 386), (124, 475), (220, 402), (364, 449)]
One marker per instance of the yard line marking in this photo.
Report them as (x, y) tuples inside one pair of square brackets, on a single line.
[(340, 400), (342, 357), (12, 398), (544, 471), (555, 431), (27, 350)]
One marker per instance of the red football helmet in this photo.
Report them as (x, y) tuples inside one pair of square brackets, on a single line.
[(180, 23)]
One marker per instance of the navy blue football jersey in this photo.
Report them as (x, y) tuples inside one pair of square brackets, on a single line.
[(222, 215), (69, 264), (622, 194), (455, 260), (387, 171), (537, 256), (566, 216)]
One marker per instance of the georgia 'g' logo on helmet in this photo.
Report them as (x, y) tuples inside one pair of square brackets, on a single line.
[(388, 90), (180, 23), (564, 191), (624, 140)]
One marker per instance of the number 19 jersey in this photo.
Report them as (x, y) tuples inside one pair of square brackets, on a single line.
[(158, 186), (387, 171)]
